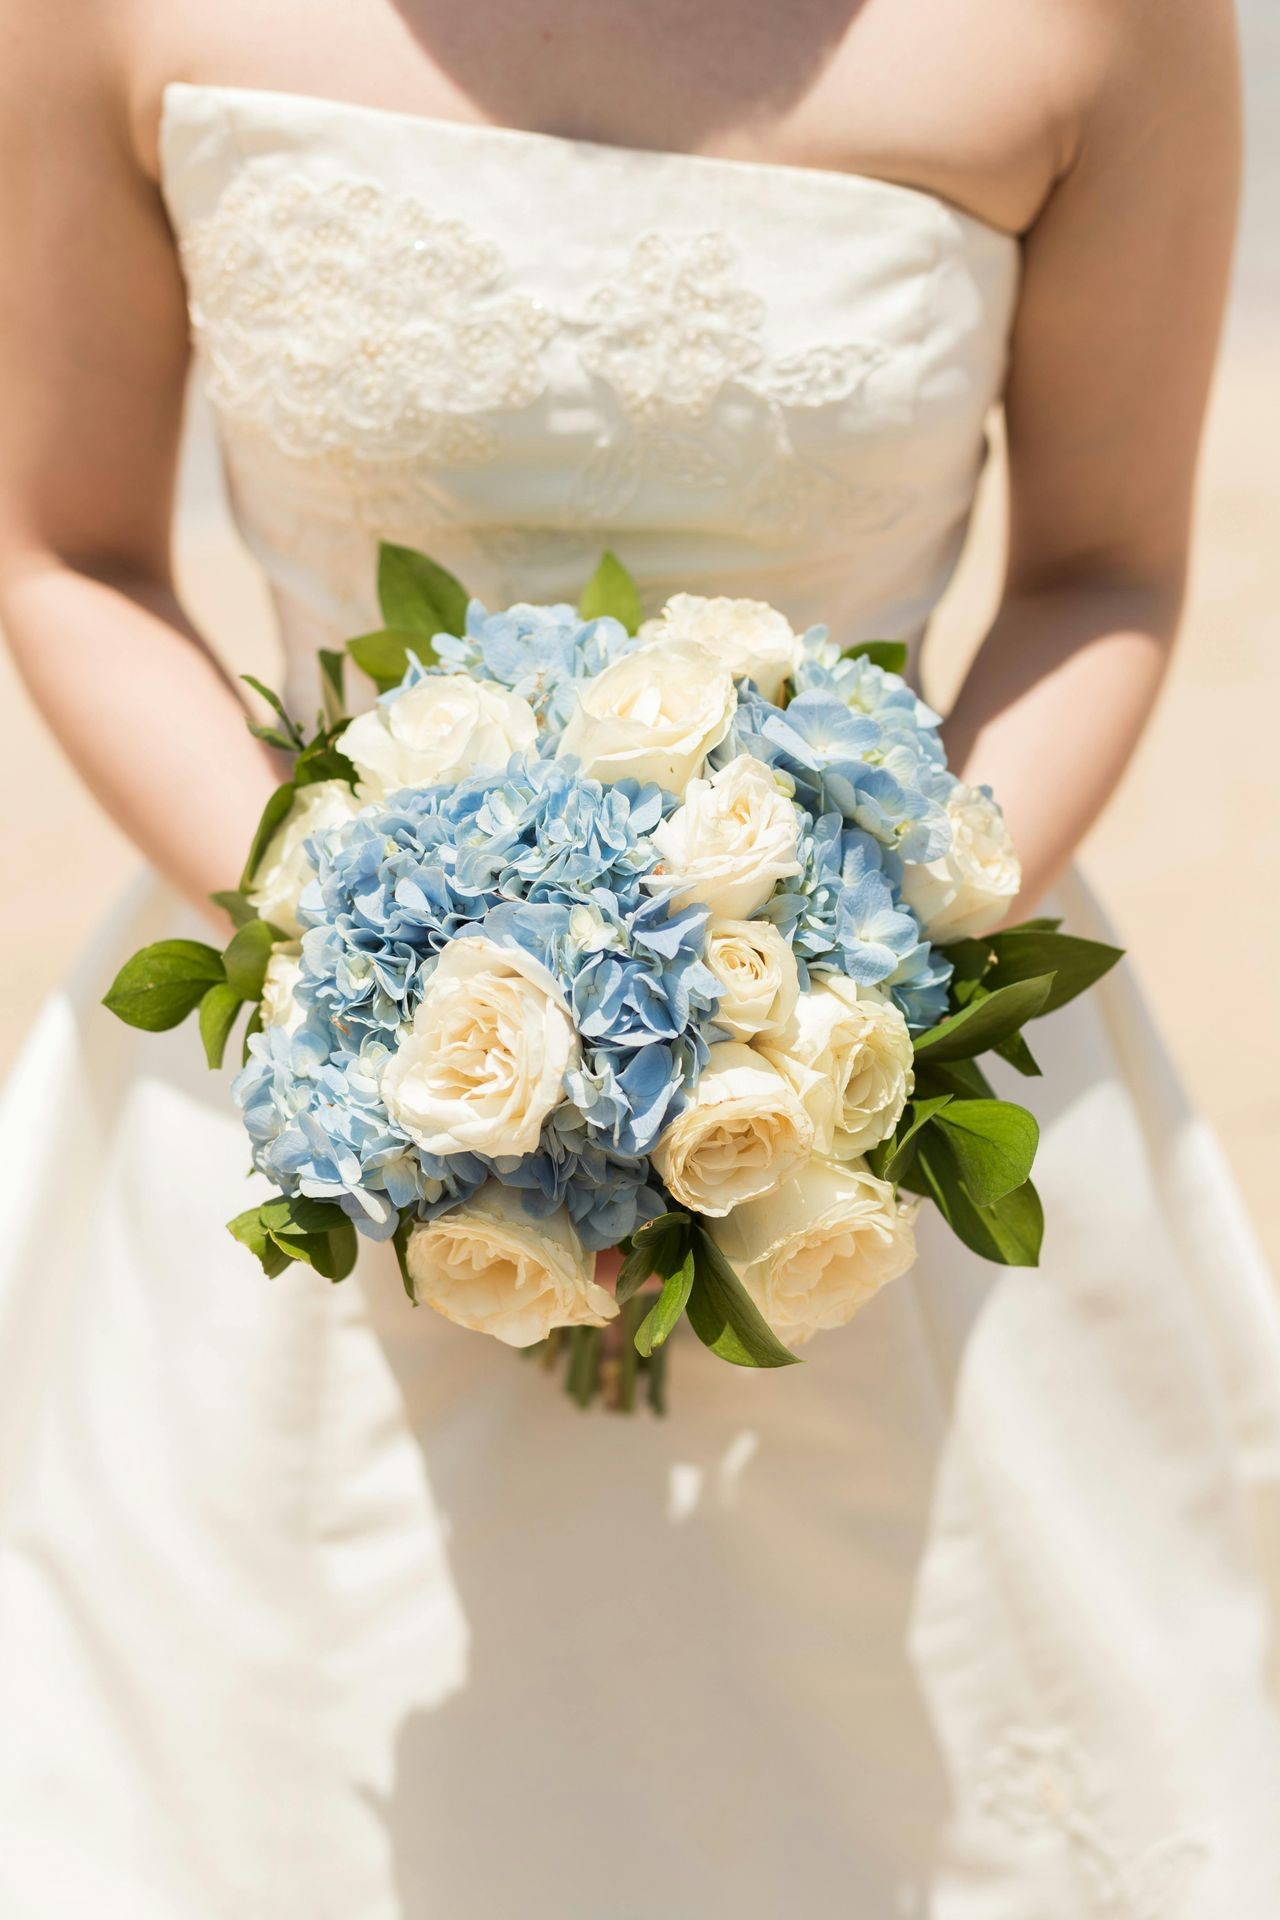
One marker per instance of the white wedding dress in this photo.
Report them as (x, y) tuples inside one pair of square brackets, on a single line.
[(316, 1608)]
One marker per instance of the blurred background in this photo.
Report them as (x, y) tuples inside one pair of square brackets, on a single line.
[(1191, 838)]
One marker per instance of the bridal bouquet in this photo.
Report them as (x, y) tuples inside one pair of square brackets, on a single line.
[(667, 936)]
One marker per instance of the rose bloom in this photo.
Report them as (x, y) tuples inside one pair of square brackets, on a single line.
[(483, 1062), (653, 715), (491, 1267), (284, 870), (756, 973), (847, 1052), (284, 970), (743, 1134), (731, 842), (971, 888), (446, 726), (751, 638), (813, 1253)]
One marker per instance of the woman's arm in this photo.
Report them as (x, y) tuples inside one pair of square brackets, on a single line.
[(1124, 283), (93, 358)]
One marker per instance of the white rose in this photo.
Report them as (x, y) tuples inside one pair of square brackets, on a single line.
[(743, 1134), (751, 638), (847, 1052), (284, 870), (483, 1062), (971, 888), (730, 843), (756, 972), (279, 1008), (446, 726), (490, 1266), (814, 1253), (653, 715)]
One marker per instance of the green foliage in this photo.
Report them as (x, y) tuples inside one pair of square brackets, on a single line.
[(400, 1241), (311, 1231), (246, 956), (889, 654), (1076, 965), (658, 1248), (416, 595), (984, 1023), (253, 1025), (332, 692), (892, 1159), (612, 591), (384, 656), (274, 815), (1009, 1232), (725, 1317), (235, 905), (158, 987), (662, 1318), (218, 1010), (993, 1143)]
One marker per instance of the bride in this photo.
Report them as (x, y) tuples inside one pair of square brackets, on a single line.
[(313, 1607)]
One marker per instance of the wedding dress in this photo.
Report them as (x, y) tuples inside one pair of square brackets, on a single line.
[(316, 1608)]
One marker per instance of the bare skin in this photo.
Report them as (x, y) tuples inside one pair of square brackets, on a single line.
[(1103, 131)]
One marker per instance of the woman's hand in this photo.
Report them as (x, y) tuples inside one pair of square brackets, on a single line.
[(1125, 278), (93, 361)]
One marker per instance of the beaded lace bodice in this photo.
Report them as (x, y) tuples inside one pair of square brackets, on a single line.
[(513, 350)]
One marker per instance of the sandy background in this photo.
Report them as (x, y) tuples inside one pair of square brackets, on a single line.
[(1189, 848)]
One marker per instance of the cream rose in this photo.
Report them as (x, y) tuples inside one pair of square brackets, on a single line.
[(751, 638), (446, 726), (653, 715), (815, 1252), (493, 1268), (742, 1135), (284, 870), (847, 1052), (284, 970), (484, 1060), (971, 888), (731, 842), (756, 973)]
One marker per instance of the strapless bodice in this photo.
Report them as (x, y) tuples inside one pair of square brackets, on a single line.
[(513, 350)]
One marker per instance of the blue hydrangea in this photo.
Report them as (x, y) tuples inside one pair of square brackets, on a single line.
[(538, 652)]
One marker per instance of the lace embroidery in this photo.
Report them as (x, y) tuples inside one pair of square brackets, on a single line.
[(338, 316), (1037, 1785), (365, 353), (678, 345)]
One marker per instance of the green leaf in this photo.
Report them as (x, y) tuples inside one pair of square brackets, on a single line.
[(889, 654), (891, 1159), (612, 591), (1076, 965), (417, 595), (657, 1247), (332, 668), (246, 957), (1009, 1232), (384, 655), (248, 1229), (218, 1011), (725, 1317), (1019, 1056), (322, 761), (662, 1317), (313, 1231), (994, 1144), (964, 1078), (400, 1241), (292, 736), (274, 815), (985, 1022), (235, 905), (158, 987), (254, 1026)]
